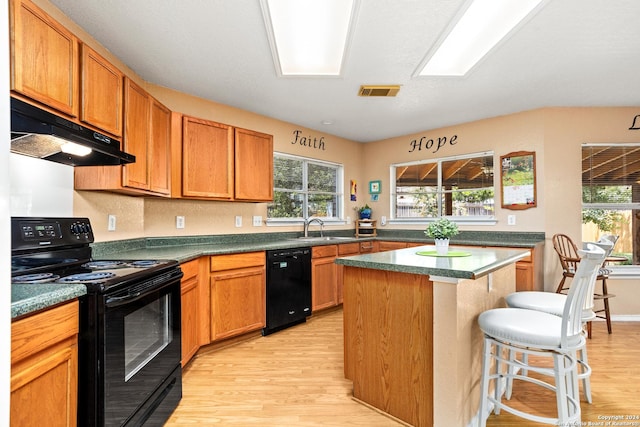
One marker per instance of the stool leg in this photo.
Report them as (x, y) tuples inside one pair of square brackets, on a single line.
[(584, 372), (607, 314), (559, 289), (484, 384)]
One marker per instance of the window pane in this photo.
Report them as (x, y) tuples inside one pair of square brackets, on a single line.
[(466, 189), (416, 202), (468, 173), (610, 176), (286, 204), (323, 205), (473, 202), (287, 173), (618, 222), (322, 178)]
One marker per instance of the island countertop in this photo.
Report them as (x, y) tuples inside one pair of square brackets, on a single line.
[(479, 262)]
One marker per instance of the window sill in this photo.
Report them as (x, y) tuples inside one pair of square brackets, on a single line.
[(623, 272), (284, 222)]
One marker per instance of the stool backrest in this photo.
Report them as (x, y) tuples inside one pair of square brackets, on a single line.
[(567, 252), (581, 291)]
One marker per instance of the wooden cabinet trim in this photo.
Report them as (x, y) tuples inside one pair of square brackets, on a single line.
[(234, 261), (30, 334), (324, 251)]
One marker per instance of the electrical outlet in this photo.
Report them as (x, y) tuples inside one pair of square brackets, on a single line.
[(238, 221), (111, 223), (511, 219), (179, 222), (383, 220), (348, 220), (257, 221)]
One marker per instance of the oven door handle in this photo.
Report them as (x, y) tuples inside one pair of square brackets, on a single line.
[(115, 301)]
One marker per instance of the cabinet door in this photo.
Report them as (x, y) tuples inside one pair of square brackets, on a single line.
[(44, 58), (391, 246), (136, 135), (207, 159), (324, 283), (44, 368), (189, 311), (237, 301), (253, 166), (160, 149), (101, 92)]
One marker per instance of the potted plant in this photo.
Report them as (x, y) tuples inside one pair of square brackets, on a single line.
[(441, 231), (364, 212)]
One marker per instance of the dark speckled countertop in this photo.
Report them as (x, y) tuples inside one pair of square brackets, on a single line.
[(479, 262), (30, 298)]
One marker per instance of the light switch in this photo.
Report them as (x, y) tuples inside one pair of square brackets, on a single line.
[(238, 221), (511, 219), (179, 222), (257, 220)]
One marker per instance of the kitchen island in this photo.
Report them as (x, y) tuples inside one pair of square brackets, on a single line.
[(412, 345)]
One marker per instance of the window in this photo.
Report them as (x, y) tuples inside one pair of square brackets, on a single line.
[(305, 188), (454, 187), (611, 195)]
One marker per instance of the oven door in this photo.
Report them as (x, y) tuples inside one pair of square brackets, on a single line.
[(141, 352)]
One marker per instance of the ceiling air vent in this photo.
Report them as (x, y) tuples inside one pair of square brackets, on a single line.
[(388, 90)]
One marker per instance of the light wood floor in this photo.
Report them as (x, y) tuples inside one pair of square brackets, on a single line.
[(295, 378)]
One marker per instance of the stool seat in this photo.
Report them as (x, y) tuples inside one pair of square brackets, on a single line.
[(546, 302), (526, 328)]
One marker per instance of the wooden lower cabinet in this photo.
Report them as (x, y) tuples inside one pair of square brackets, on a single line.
[(238, 287), (190, 317), (390, 246), (44, 367), (345, 249), (324, 277)]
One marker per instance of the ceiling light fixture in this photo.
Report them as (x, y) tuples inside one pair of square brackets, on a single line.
[(480, 27), (309, 37)]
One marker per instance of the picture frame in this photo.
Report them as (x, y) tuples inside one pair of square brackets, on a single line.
[(375, 187), (518, 180)]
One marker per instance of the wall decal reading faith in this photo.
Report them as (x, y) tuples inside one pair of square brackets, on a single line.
[(307, 141), (429, 143)]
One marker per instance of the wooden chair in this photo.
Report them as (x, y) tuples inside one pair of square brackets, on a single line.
[(568, 253)]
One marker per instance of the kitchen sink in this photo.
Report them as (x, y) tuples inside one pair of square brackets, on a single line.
[(322, 239)]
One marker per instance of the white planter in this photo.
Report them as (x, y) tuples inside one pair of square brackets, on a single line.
[(442, 246)]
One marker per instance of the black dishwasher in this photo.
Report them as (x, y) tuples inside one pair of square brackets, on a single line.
[(288, 288)]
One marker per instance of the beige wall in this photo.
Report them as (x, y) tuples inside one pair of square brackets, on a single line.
[(555, 134)]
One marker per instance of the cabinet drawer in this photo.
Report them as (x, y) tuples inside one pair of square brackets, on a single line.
[(348, 248), (230, 262), (324, 251), (41, 330), (190, 269)]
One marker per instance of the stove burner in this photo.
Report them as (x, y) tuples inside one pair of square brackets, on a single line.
[(35, 278), (144, 263), (103, 265), (87, 277)]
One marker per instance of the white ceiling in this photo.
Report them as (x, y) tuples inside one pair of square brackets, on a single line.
[(572, 53)]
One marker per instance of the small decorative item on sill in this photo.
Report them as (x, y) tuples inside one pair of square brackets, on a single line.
[(441, 231), (364, 212)]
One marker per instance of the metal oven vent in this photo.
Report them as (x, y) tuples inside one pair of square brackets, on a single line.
[(384, 90)]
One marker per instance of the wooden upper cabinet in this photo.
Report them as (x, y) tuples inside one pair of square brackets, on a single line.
[(207, 159), (136, 135), (253, 165), (44, 58), (101, 92), (160, 149), (147, 135)]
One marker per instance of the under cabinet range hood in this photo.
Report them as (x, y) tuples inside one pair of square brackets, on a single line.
[(39, 133)]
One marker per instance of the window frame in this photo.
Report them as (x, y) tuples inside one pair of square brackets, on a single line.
[(623, 271), (339, 218), (468, 220)]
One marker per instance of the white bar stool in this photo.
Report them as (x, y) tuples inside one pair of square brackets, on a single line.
[(515, 330)]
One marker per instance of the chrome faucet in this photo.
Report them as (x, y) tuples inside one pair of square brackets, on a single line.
[(308, 222)]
